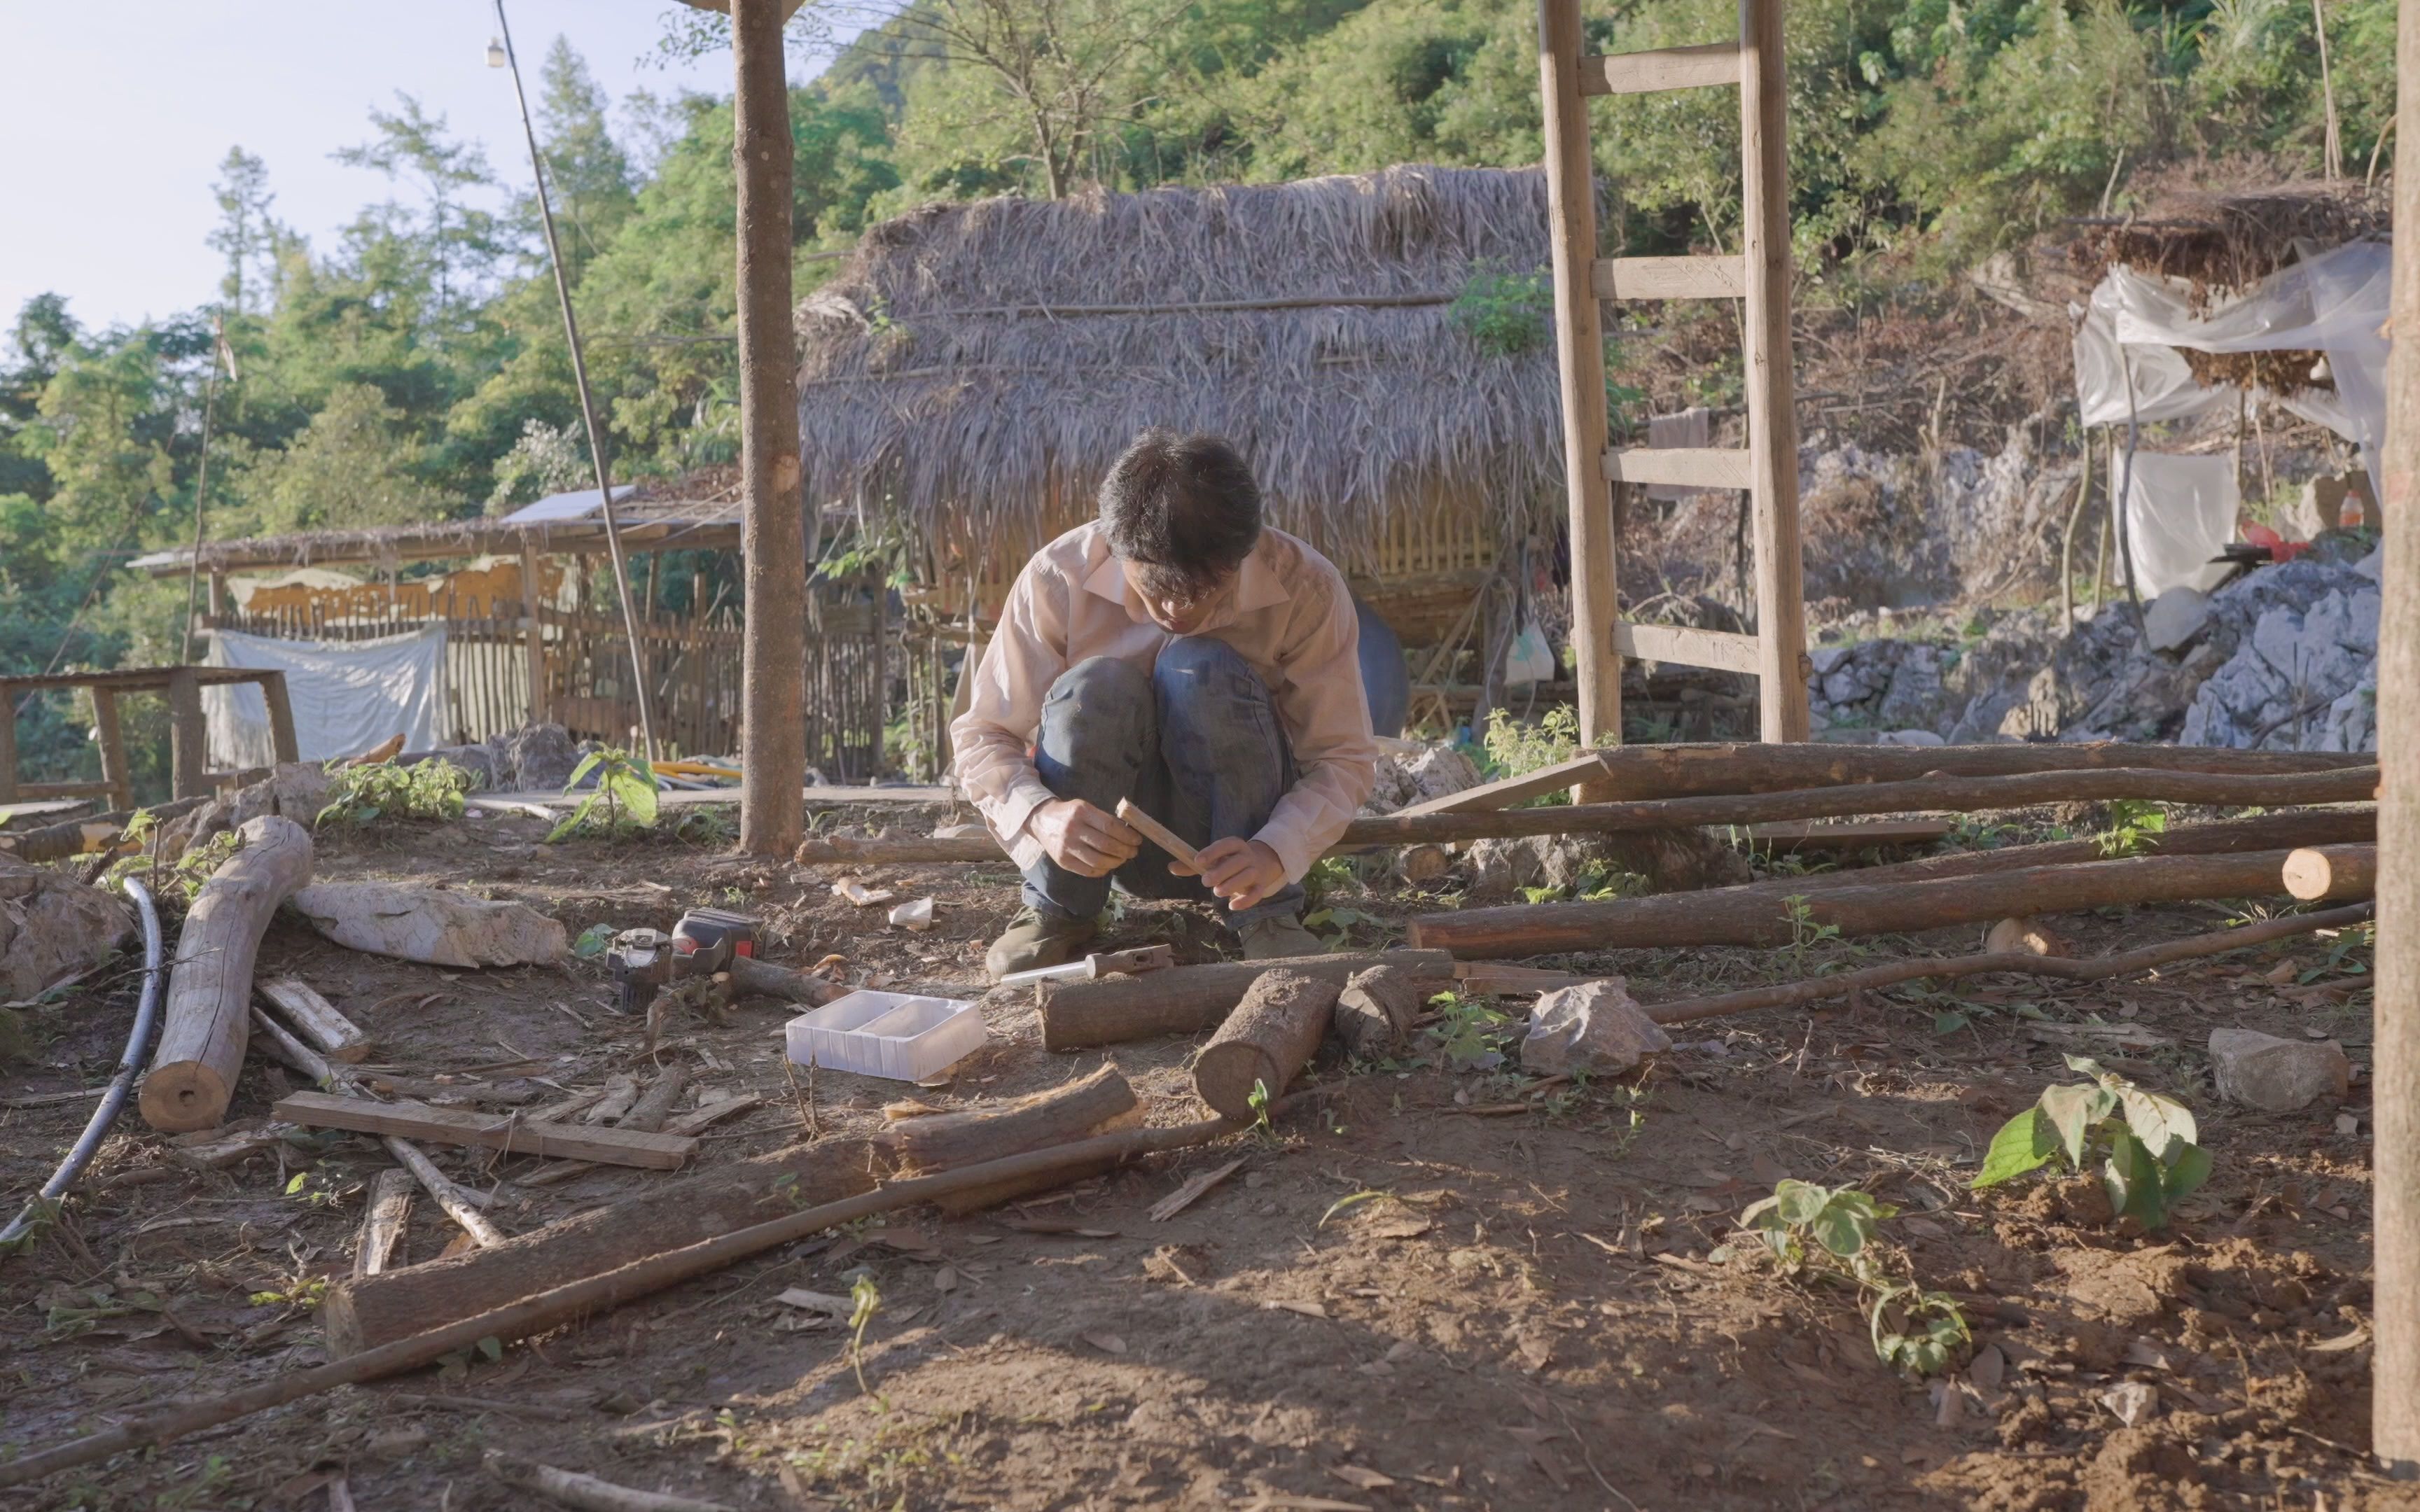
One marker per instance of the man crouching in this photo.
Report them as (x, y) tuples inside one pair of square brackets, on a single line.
[(1176, 652)]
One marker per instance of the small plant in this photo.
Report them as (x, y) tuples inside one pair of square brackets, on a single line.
[(1258, 1100), (1830, 1231), (1512, 747), (2143, 1142), (1468, 1031), (362, 795), (302, 1293), (1504, 314), (2135, 826), (1805, 934), (625, 793), (865, 1299), (1335, 925)]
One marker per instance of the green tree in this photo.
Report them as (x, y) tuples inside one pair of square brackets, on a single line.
[(451, 243), (247, 234), (354, 465)]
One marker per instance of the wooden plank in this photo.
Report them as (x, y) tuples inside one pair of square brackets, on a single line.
[(1722, 650), (62, 790), (1772, 415), (488, 1131), (1669, 278), (1686, 467), (382, 1226), (1706, 65), (1580, 353), (337, 1036), (1506, 792)]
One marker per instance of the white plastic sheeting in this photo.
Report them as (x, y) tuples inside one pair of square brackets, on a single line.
[(348, 695), (2180, 512), (2334, 303)]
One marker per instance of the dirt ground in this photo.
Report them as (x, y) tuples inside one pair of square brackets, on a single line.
[(1542, 1308)]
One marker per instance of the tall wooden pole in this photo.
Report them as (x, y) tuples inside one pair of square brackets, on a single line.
[(1579, 348), (2394, 1087), (774, 754), (1771, 398)]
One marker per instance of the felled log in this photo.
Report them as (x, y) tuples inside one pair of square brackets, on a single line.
[(1100, 1104), (2338, 783), (315, 1019), (564, 1302), (207, 1017), (2330, 871), (1755, 916), (2090, 968), (83, 837), (1376, 1012), (1266, 1042), (1729, 767), (2225, 836), (1955, 794), (1189, 999), (370, 1311)]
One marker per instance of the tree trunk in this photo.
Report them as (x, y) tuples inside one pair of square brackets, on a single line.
[(1264, 1044), (1753, 916), (1189, 999), (1697, 770), (773, 738), (1376, 1012), (365, 1313), (206, 1019)]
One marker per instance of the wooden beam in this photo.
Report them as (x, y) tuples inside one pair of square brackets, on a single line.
[(488, 1131), (1770, 392), (112, 740), (773, 737), (1505, 792), (1684, 467), (281, 717), (1703, 66), (188, 765), (1669, 278), (1580, 353), (1721, 650), (2395, 1072)]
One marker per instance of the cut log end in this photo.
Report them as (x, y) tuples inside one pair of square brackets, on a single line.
[(2320, 872), (185, 1096), (1273, 1032)]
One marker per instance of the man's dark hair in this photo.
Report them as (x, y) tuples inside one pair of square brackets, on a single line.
[(1184, 508)]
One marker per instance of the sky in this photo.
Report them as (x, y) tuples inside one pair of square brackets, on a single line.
[(117, 114)]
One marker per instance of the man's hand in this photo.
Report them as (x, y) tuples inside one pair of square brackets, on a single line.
[(1243, 872), (1086, 841)]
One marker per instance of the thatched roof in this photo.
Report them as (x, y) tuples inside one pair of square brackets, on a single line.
[(977, 366), (2225, 243)]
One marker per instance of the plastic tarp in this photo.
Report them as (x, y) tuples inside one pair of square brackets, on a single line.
[(2179, 512), (348, 696), (2334, 301)]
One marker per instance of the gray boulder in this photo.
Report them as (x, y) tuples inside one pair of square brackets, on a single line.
[(2264, 1072), (1594, 1027)]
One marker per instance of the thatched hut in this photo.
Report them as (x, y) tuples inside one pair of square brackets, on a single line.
[(1375, 344)]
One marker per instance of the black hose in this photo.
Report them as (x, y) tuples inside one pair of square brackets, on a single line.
[(113, 1101)]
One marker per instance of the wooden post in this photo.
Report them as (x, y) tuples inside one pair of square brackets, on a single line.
[(112, 748), (188, 762), (774, 757), (2395, 1106), (7, 742), (280, 717), (1772, 401), (533, 633), (1579, 349)]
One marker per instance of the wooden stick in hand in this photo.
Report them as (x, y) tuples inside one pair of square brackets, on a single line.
[(1160, 834)]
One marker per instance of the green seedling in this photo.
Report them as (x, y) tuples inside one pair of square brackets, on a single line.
[(1801, 1220), (624, 799), (1830, 1231), (1469, 1031), (364, 796), (2135, 826), (2143, 1142)]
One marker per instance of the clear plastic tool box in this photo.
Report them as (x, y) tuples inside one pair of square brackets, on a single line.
[(894, 1035)]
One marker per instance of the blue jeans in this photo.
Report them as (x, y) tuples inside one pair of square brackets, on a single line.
[(1195, 743)]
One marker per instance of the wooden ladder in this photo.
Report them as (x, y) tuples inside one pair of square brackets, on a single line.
[(1767, 468)]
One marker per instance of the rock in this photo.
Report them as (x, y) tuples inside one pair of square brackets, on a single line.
[(295, 790), (2264, 1072), (1435, 772), (2172, 621), (1909, 737), (1826, 660), (1915, 688), (2131, 1402), (51, 927), (538, 758), (2373, 566), (431, 924), (1594, 1027), (2026, 935)]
